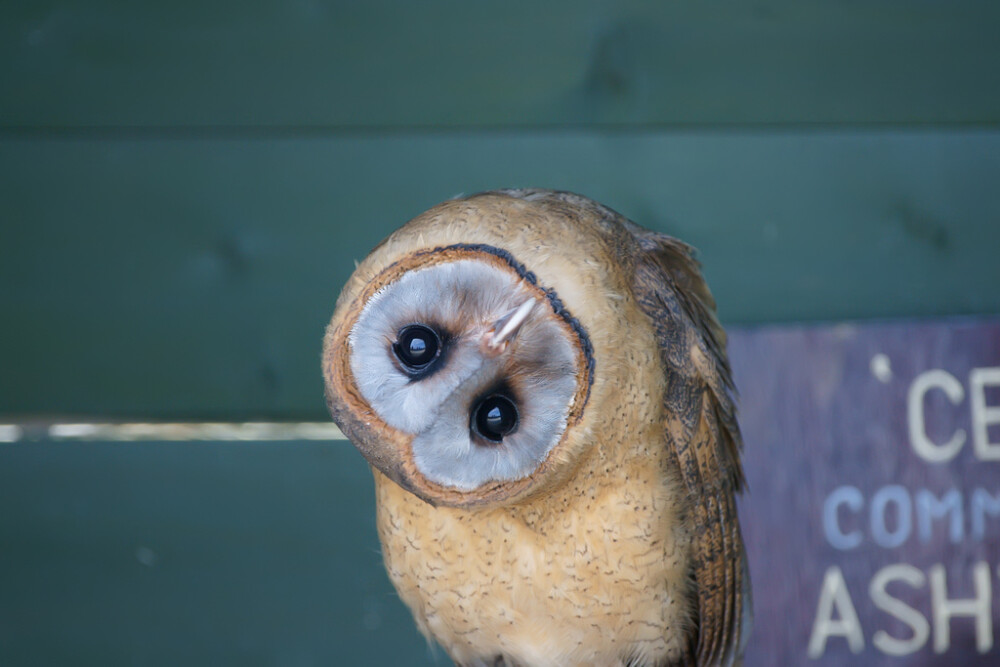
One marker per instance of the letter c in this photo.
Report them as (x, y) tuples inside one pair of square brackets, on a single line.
[(842, 495)]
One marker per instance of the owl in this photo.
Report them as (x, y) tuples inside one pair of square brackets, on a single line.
[(542, 390)]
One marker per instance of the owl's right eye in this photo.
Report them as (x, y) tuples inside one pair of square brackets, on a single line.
[(416, 347)]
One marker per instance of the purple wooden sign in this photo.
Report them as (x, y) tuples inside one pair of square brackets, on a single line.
[(873, 515)]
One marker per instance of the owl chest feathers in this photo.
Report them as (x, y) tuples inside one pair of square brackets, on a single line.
[(595, 573)]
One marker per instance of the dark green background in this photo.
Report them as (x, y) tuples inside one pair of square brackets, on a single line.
[(184, 188)]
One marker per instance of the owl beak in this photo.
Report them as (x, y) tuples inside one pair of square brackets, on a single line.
[(505, 329)]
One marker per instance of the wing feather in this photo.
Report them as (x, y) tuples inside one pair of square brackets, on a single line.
[(704, 435)]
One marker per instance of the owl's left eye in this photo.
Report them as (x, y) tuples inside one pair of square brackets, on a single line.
[(494, 417), (416, 347)]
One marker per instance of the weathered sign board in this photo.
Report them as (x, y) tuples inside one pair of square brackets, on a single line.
[(873, 513)]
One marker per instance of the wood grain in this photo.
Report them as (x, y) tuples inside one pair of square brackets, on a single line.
[(297, 67)]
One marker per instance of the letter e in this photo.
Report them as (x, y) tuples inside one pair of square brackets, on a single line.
[(983, 416)]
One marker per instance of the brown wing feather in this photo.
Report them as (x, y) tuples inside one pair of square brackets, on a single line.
[(703, 433)]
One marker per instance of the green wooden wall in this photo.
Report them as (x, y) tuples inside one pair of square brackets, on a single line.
[(185, 186), (316, 67)]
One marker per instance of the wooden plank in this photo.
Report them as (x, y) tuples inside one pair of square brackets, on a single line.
[(458, 64), (193, 279), (194, 554)]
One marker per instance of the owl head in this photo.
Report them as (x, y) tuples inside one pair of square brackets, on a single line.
[(460, 360)]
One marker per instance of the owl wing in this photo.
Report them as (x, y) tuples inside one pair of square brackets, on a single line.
[(703, 434)]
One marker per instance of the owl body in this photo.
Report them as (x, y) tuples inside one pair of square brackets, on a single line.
[(597, 579), (595, 526)]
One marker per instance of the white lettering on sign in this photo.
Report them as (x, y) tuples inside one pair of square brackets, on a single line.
[(916, 603), (834, 596), (850, 497), (983, 415), (929, 507), (923, 509), (978, 608), (898, 497), (837, 616), (983, 504), (919, 626), (922, 445)]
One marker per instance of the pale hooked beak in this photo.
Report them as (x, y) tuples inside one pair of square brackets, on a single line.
[(505, 329)]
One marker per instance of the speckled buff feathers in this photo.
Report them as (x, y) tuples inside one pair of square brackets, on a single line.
[(542, 390)]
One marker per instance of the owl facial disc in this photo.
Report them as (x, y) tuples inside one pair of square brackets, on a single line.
[(471, 360)]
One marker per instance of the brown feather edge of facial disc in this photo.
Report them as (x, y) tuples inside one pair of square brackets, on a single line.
[(390, 450)]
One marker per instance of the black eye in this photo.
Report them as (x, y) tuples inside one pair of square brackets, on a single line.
[(416, 347), (494, 417)]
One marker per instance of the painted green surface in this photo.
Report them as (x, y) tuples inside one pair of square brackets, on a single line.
[(192, 279), (487, 63), (184, 188), (166, 554)]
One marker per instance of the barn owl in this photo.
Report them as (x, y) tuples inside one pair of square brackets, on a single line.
[(542, 390)]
